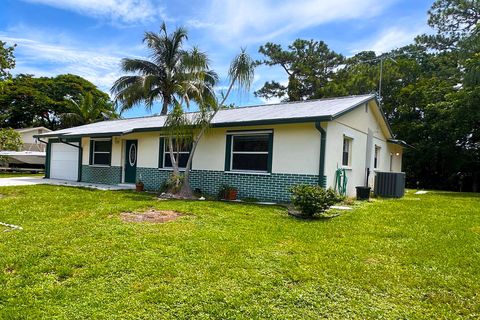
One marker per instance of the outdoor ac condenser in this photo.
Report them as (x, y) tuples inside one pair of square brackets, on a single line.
[(389, 184)]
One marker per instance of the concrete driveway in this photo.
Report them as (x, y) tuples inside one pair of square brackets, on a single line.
[(25, 181), (21, 181)]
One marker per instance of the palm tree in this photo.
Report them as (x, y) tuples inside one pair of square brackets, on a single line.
[(171, 75), (88, 109), (240, 74), (177, 77)]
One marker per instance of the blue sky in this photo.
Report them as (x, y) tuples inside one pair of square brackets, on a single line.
[(89, 37)]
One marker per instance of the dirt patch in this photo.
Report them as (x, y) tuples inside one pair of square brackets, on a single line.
[(152, 216)]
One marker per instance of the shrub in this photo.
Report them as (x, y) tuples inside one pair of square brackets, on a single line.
[(312, 200), (172, 184)]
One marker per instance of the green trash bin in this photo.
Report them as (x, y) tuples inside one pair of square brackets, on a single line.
[(363, 193)]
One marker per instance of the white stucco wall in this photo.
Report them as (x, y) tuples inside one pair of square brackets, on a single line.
[(117, 151), (295, 148), (355, 125)]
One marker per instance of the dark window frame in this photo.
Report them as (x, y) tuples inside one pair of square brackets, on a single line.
[(376, 157), (231, 152), (166, 153), (93, 152), (347, 154)]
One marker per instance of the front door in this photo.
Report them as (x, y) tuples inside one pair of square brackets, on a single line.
[(130, 161)]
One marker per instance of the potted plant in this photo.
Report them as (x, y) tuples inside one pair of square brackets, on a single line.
[(228, 192), (139, 186)]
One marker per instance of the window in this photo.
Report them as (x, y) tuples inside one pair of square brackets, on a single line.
[(181, 152), (250, 152), (376, 158), (347, 150), (100, 152)]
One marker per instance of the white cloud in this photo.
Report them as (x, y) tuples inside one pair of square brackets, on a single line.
[(261, 20), (127, 11), (390, 38), (50, 59)]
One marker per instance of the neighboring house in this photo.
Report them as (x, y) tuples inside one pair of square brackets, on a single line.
[(261, 150), (29, 142), (32, 153)]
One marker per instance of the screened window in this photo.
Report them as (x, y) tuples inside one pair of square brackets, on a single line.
[(181, 152), (376, 158), (101, 152), (250, 152), (347, 152)]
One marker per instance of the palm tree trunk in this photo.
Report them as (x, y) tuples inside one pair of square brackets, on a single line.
[(176, 171), (186, 189), (164, 108)]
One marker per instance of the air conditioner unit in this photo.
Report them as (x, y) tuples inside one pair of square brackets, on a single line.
[(389, 184)]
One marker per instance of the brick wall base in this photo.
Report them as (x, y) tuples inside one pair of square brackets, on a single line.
[(104, 175), (272, 187)]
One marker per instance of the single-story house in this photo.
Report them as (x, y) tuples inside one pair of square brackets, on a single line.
[(261, 150)]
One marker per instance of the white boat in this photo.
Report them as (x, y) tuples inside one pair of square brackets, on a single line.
[(24, 157)]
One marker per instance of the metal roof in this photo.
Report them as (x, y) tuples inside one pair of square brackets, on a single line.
[(290, 112)]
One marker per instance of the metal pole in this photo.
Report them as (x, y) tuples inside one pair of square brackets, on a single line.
[(380, 81)]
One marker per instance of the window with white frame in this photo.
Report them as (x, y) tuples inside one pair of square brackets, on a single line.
[(347, 151), (376, 158), (181, 152), (251, 152), (101, 152)]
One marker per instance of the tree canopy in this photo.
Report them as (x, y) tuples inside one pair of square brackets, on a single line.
[(27, 101), (430, 91)]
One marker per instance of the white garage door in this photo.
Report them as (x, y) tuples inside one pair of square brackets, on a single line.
[(64, 161)]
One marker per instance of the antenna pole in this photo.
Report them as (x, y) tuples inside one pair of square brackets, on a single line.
[(380, 80)]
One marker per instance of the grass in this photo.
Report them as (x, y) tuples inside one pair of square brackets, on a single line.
[(417, 257), (19, 174)]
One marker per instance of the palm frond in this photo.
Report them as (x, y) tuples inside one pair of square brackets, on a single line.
[(242, 70), (141, 66)]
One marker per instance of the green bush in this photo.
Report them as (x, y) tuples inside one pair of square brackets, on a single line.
[(312, 200)]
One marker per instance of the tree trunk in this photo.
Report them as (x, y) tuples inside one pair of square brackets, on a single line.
[(176, 171), (186, 190), (164, 108)]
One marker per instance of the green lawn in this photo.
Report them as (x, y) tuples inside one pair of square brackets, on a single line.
[(418, 257), (19, 174)]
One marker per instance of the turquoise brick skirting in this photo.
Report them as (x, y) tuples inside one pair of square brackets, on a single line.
[(104, 175), (272, 187)]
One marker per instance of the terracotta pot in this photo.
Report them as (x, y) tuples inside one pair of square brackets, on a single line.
[(139, 187), (231, 195)]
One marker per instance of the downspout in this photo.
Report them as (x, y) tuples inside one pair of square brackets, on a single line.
[(321, 165)]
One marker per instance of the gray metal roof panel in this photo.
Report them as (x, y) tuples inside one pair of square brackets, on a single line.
[(291, 111)]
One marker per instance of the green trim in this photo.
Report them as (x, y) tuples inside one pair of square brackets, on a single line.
[(321, 164), (63, 140), (161, 148), (80, 159), (236, 124), (67, 142), (399, 142), (261, 131), (47, 160), (228, 152), (228, 148), (272, 121), (90, 153), (270, 152)]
